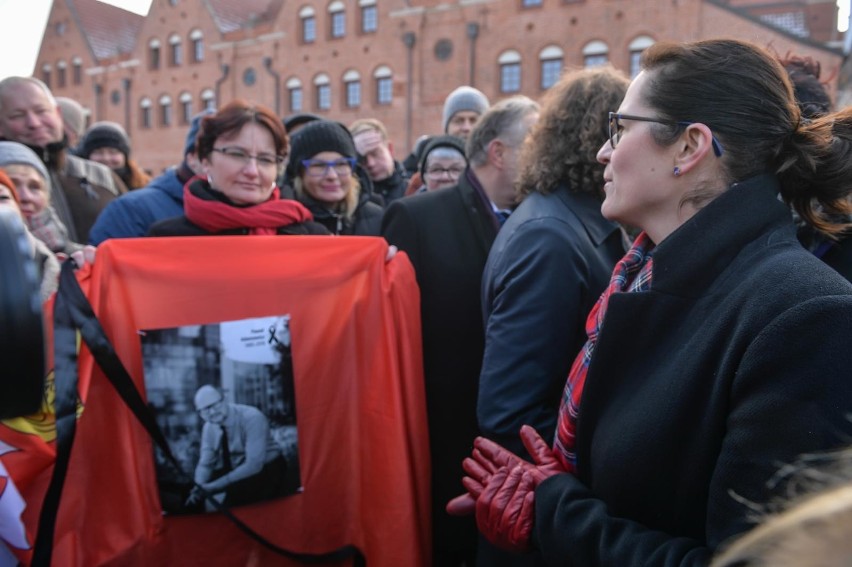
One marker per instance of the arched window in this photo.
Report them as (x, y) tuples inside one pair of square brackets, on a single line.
[(45, 73), (309, 24), (510, 71), (145, 112), (196, 40), (165, 110), (369, 16), (337, 15), (323, 86), (185, 107), (208, 99), (175, 50), (595, 54), (61, 68), (294, 89), (77, 62), (352, 86), (384, 84), (637, 46), (154, 54), (552, 61)]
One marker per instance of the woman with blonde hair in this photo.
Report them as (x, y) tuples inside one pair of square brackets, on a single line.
[(327, 181)]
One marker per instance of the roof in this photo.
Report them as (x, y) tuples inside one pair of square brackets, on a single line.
[(231, 16), (110, 31)]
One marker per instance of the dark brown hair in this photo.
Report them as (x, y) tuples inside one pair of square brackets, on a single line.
[(231, 118), (572, 127), (743, 94)]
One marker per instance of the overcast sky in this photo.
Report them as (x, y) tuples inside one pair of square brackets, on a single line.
[(25, 21)]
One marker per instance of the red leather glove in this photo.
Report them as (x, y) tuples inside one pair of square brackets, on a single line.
[(505, 509), (488, 457)]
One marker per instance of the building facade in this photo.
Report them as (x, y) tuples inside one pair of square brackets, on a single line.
[(395, 60)]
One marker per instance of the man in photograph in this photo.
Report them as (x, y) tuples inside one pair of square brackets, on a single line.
[(239, 462)]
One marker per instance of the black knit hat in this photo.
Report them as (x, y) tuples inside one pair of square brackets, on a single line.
[(296, 120), (436, 142), (104, 135), (320, 136)]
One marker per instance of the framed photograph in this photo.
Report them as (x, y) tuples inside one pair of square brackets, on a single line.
[(223, 395)]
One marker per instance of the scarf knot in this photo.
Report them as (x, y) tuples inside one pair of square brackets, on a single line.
[(263, 218)]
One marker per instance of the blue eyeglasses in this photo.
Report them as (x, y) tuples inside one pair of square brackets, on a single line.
[(615, 128), (318, 167)]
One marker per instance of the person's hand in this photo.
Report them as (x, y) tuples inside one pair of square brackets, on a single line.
[(195, 497), (488, 457), (505, 509), (392, 250), (84, 256)]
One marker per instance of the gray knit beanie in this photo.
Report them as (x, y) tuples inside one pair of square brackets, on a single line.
[(104, 135), (73, 114), (13, 153), (464, 98)]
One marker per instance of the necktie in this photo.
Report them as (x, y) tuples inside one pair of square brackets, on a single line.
[(502, 216), (226, 450)]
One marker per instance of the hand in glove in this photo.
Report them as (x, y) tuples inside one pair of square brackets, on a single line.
[(505, 509), (488, 457)]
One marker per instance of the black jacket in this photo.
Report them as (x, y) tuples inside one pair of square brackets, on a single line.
[(393, 187), (447, 235), (734, 363)]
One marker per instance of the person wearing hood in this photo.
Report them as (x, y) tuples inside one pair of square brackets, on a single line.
[(131, 215), (31, 182), (46, 264), (80, 188), (108, 143), (328, 182), (242, 149)]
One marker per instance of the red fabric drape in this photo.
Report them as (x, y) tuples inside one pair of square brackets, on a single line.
[(359, 392)]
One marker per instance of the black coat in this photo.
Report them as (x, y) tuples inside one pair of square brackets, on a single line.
[(547, 268), (734, 363), (447, 235)]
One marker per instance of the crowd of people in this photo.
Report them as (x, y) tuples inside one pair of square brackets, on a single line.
[(635, 295)]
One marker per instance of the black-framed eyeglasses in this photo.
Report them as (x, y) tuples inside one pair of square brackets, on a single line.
[(437, 172), (205, 411), (615, 128), (242, 157), (319, 167)]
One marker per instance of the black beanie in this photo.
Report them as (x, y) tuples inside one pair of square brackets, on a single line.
[(104, 135), (436, 142), (320, 136)]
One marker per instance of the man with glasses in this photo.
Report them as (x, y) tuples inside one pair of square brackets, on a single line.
[(443, 163), (239, 461), (447, 235)]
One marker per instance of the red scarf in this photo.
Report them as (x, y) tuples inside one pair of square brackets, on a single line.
[(263, 218), (632, 273)]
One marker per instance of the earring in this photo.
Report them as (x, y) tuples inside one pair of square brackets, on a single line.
[(676, 171)]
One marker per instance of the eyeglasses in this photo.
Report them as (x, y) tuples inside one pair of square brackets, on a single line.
[(318, 167), (438, 172), (205, 411), (242, 157), (615, 128)]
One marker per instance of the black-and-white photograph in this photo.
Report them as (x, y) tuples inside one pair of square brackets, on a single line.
[(223, 395)]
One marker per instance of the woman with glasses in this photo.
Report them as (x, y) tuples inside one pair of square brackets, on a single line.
[(242, 148), (720, 349), (328, 182), (442, 164)]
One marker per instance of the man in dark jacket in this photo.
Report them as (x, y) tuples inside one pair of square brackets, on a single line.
[(133, 214), (447, 235), (80, 189), (375, 152)]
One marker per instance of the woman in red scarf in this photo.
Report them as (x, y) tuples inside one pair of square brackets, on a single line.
[(242, 149)]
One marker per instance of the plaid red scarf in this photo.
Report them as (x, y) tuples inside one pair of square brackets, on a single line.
[(263, 218), (631, 273)]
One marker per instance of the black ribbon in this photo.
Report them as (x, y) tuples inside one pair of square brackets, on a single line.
[(73, 312)]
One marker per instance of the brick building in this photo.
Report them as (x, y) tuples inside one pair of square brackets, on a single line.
[(395, 60)]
